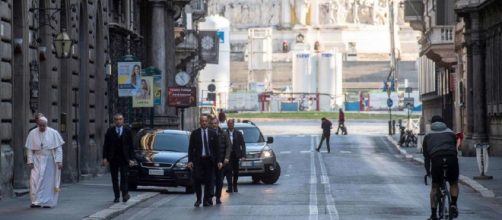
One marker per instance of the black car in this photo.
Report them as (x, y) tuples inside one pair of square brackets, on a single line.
[(162, 157)]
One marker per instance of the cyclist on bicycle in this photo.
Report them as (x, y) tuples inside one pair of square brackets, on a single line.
[(440, 143)]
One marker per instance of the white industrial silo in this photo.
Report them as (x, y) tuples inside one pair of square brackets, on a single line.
[(327, 80), (217, 74), (302, 73)]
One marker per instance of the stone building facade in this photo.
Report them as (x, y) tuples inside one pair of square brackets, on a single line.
[(78, 94), (69, 92)]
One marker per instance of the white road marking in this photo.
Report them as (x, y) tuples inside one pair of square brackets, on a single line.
[(285, 152), (313, 209), (330, 201), (145, 211), (345, 152), (307, 151)]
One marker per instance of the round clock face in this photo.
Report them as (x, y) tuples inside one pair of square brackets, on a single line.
[(207, 42), (182, 78)]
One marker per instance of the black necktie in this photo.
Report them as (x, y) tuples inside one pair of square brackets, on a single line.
[(206, 147)]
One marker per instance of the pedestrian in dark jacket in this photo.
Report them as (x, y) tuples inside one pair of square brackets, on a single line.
[(441, 144), (224, 151), (326, 133), (341, 122)]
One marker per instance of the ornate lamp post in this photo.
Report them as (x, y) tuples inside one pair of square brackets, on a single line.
[(63, 44)]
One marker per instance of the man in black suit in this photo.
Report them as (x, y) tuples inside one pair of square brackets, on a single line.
[(238, 153), (203, 156), (225, 149), (118, 152)]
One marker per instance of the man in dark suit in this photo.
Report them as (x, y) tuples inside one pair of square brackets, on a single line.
[(238, 153), (118, 152), (203, 156), (225, 149)]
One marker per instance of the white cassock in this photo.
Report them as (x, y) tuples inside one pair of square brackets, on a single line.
[(44, 150)]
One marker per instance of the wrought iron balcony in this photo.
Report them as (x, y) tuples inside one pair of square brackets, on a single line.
[(413, 13)]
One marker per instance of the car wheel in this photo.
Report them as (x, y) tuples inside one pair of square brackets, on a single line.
[(189, 189), (271, 179), (132, 186), (256, 179)]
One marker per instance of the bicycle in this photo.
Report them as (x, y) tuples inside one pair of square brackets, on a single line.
[(443, 194)]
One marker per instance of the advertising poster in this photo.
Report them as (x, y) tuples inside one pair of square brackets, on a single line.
[(157, 88), (129, 78), (144, 95)]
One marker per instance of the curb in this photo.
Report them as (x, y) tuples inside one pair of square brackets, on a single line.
[(119, 208), (476, 186)]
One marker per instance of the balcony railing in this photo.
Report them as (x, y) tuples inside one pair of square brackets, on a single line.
[(442, 34)]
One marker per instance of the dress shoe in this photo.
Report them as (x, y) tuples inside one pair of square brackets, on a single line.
[(197, 203), (206, 203), (235, 188), (125, 198), (116, 200), (317, 149), (46, 207), (218, 201), (229, 190), (34, 206)]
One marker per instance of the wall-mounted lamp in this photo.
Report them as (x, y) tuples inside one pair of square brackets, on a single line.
[(63, 44), (108, 68)]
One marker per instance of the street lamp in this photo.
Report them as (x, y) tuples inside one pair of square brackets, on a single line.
[(63, 43)]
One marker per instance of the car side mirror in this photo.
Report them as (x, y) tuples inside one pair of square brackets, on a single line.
[(270, 140)]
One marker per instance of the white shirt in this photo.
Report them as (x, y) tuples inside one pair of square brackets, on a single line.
[(204, 130), (231, 134)]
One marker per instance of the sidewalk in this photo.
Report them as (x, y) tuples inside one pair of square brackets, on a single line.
[(468, 169), (76, 201)]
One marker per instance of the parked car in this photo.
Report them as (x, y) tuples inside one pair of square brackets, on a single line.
[(260, 162), (162, 157)]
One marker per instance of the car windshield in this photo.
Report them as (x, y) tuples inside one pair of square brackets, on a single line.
[(251, 134), (171, 142)]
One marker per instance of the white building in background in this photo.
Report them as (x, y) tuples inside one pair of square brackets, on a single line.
[(216, 74)]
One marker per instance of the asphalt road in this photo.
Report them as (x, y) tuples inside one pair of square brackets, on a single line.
[(363, 177)]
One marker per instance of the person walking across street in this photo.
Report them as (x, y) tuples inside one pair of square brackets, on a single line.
[(45, 158), (238, 153), (326, 133), (341, 122), (118, 153), (438, 145), (225, 150), (203, 157)]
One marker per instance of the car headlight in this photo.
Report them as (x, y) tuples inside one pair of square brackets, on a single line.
[(181, 164), (266, 152)]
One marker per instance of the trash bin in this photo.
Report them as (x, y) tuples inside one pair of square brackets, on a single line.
[(483, 160)]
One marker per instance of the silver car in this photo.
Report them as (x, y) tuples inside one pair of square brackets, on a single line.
[(260, 162)]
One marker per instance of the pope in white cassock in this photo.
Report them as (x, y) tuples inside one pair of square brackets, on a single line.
[(45, 158)]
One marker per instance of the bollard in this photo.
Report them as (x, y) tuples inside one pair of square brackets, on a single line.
[(390, 127), (483, 159), (393, 126)]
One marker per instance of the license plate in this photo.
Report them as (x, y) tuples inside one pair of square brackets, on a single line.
[(246, 163), (153, 172)]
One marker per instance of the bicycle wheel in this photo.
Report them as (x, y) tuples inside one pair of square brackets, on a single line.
[(447, 202)]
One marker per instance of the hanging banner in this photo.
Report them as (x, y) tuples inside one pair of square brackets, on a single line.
[(128, 76), (144, 96), (209, 42)]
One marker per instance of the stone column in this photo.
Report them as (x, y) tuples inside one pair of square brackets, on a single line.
[(478, 75), (285, 14), (314, 16), (157, 47)]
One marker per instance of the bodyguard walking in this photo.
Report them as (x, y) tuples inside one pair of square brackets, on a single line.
[(326, 133), (203, 156), (225, 150), (118, 152), (238, 153)]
